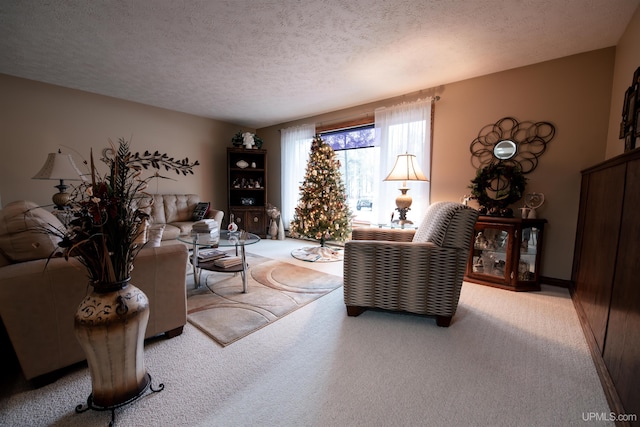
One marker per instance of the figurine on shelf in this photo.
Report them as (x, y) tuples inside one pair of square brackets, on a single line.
[(481, 241), (478, 266), (247, 140), (532, 201)]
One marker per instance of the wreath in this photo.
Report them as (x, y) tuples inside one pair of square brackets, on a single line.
[(511, 191)]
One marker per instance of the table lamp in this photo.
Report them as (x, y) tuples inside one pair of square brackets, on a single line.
[(60, 166), (405, 169)]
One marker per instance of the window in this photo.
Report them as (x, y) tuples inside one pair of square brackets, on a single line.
[(404, 128), (358, 154), (367, 152)]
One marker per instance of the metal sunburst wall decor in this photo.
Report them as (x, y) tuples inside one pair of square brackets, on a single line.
[(511, 142)]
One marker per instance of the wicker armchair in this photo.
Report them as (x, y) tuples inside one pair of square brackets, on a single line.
[(418, 271)]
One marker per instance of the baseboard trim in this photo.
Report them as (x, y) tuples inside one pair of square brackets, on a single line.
[(610, 392), (561, 283)]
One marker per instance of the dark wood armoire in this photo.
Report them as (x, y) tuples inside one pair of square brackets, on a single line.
[(606, 275)]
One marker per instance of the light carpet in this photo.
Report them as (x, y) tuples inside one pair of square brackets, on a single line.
[(508, 359), (275, 289)]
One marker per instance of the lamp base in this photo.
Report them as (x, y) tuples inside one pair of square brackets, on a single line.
[(61, 199), (403, 203)]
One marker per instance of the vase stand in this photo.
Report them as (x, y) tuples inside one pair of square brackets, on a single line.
[(91, 405)]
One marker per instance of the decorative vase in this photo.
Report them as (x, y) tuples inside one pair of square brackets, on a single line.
[(110, 325), (280, 228), (273, 229)]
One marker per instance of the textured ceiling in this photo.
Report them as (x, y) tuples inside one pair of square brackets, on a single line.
[(263, 62)]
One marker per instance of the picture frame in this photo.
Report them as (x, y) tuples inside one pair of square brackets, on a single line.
[(631, 106), (630, 124), (625, 106), (629, 142)]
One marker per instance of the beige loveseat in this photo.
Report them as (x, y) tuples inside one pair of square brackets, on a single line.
[(38, 298), (175, 212)]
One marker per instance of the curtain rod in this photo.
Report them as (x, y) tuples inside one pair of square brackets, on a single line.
[(363, 115), (360, 115)]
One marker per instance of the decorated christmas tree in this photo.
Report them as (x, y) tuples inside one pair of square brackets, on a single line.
[(322, 212)]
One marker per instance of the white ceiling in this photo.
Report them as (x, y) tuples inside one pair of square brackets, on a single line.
[(257, 63)]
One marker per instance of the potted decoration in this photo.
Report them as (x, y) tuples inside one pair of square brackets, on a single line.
[(107, 219)]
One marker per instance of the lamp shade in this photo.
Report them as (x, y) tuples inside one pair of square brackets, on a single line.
[(60, 166), (406, 169)]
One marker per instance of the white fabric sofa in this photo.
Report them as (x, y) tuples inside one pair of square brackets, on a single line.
[(39, 296), (175, 212)]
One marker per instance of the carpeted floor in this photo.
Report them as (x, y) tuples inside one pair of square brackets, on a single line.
[(508, 359)]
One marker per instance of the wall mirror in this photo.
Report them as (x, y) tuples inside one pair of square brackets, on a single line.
[(503, 153), (505, 149), (509, 141)]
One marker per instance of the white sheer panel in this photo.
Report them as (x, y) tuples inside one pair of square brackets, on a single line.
[(404, 128), (295, 146)]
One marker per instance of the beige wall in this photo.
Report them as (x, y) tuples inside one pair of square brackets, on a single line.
[(627, 61), (573, 93), (38, 118)]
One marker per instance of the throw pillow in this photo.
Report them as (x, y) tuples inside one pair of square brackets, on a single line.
[(21, 236), (201, 210), (154, 235), (143, 231)]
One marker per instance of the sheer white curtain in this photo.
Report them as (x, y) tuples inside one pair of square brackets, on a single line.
[(295, 146), (404, 128)]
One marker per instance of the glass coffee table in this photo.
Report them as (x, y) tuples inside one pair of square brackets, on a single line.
[(237, 239)]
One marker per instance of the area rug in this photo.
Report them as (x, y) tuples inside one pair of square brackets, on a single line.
[(275, 289)]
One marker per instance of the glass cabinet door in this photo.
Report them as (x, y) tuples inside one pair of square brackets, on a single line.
[(491, 252), (528, 252)]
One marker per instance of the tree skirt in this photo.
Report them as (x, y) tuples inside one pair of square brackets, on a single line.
[(318, 254)]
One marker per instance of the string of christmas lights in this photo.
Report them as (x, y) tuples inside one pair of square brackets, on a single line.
[(322, 212)]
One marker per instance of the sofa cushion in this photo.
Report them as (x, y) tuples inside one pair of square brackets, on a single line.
[(155, 235), (21, 235), (184, 227), (170, 232), (168, 208), (179, 207)]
